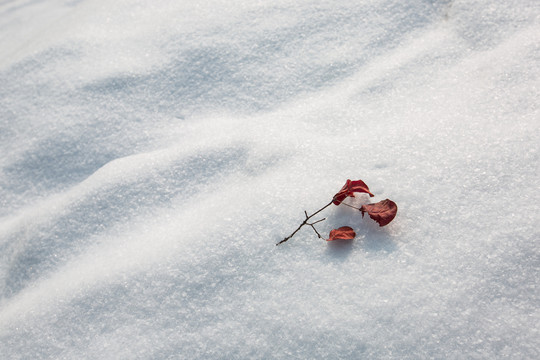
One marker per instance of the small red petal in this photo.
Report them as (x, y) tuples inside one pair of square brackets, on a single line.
[(349, 189), (343, 233), (382, 212), (359, 186)]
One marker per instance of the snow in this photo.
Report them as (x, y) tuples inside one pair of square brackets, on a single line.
[(154, 153)]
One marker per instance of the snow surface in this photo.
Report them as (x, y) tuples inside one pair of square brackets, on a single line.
[(153, 152)]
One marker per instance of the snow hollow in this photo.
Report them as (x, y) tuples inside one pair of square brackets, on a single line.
[(153, 152)]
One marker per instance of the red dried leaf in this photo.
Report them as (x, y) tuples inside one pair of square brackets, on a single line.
[(382, 212), (349, 189), (344, 233)]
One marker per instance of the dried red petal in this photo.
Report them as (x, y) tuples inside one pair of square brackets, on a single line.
[(343, 233), (349, 189), (382, 212)]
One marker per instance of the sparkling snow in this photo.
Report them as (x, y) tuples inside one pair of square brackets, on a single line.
[(153, 152)]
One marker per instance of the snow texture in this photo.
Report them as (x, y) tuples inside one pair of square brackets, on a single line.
[(153, 152)]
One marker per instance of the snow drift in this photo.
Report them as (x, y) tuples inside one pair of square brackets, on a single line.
[(154, 153)]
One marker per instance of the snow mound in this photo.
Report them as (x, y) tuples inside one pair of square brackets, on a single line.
[(153, 154)]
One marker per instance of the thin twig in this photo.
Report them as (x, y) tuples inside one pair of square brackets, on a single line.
[(354, 207), (316, 232), (318, 221), (305, 222), (313, 227)]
